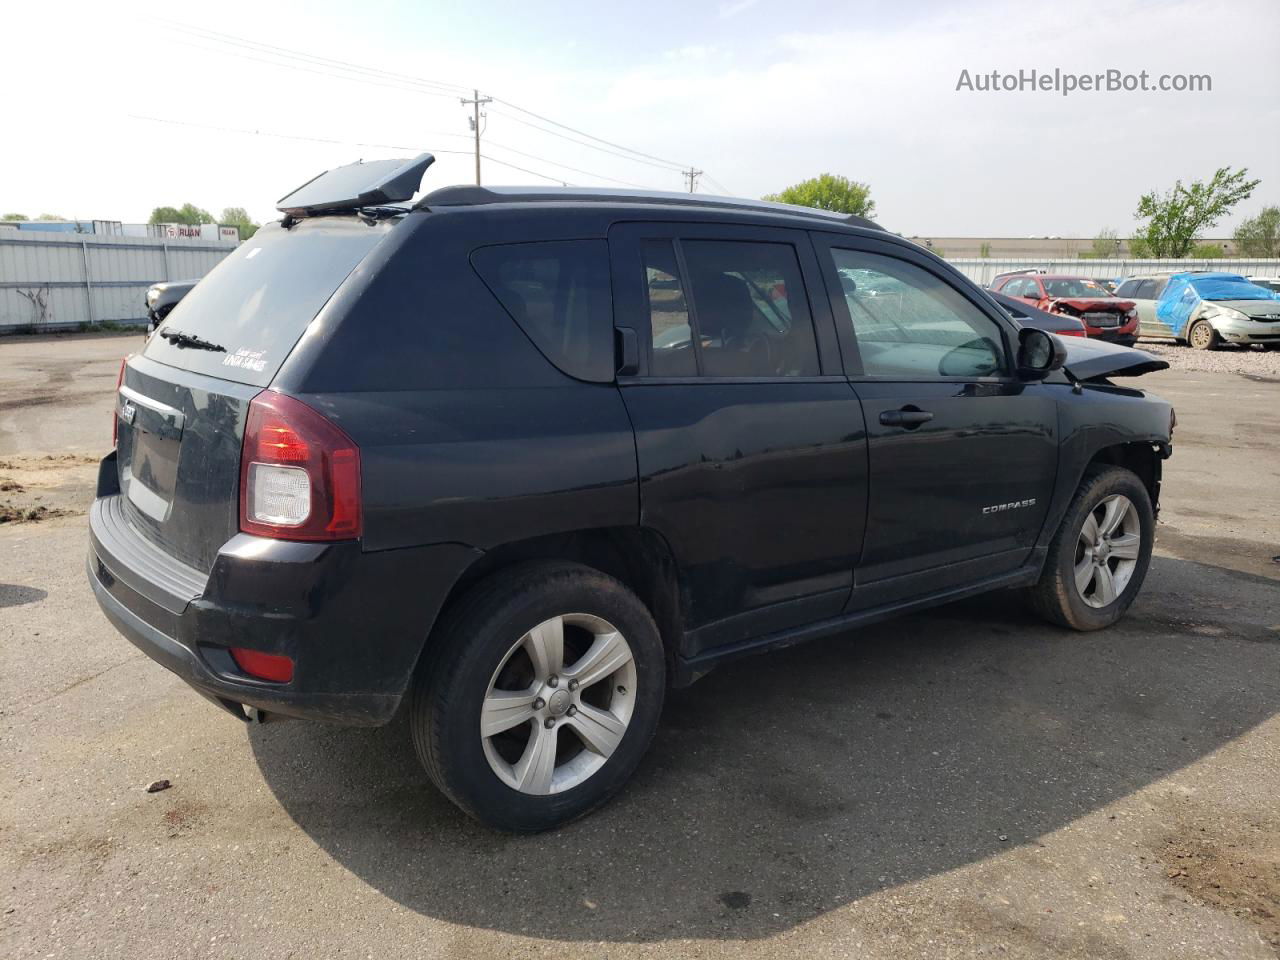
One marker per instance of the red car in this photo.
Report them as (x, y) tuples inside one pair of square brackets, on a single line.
[(1103, 315)]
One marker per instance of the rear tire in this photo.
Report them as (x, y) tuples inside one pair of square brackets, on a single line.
[(507, 659), (1202, 336), (1099, 557)]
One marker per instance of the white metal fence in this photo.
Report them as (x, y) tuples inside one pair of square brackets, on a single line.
[(983, 270), (59, 281)]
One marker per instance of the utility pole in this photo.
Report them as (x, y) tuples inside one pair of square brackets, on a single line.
[(476, 104), (692, 176)]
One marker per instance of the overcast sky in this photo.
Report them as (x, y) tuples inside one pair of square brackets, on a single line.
[(758, 93)]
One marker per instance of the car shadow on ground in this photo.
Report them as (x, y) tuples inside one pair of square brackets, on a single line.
[(781, 787)]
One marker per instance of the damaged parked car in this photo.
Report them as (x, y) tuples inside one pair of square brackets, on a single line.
[(1208, 309), (1105, 317), (515, 461)]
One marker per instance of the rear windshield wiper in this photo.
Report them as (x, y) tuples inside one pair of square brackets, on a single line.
[(180, 339)]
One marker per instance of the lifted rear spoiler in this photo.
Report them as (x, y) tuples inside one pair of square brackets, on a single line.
[(356, 185)]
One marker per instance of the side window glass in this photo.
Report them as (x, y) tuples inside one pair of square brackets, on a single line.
[(1128, 289), (559, 293), (1015, 288), (672, 353), (750, 309), (909, 323)]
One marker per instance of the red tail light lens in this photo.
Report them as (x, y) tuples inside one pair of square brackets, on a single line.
[(264, 666), (1070, 333), (115, 405), (299, 473)]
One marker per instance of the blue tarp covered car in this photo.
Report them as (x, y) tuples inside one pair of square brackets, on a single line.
[(1206, 309)]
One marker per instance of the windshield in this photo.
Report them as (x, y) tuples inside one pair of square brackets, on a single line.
[(1223, 288), (252, 307), (1075, 288)]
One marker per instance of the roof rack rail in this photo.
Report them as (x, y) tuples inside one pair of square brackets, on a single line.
[(466, 196)]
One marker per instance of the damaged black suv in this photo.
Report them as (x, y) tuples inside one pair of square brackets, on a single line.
[(515, 461)]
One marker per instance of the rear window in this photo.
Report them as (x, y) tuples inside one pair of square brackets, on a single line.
[(558, 291), (257, 302)]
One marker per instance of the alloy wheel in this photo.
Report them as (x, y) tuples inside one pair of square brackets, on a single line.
[(1107, 550), (559, 704)]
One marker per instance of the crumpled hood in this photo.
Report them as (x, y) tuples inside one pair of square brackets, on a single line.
[(1087, 359)]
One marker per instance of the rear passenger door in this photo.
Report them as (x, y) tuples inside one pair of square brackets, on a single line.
[(963, 456), (750, 441)]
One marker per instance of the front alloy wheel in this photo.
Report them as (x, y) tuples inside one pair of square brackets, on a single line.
[(1099, 555), (1107, 550), (547, 726)]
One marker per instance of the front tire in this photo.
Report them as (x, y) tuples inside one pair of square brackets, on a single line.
[(540, 695), (1202, 336), (1099, 557)]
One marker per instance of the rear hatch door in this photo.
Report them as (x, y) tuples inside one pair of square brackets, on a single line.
[(182, 404)]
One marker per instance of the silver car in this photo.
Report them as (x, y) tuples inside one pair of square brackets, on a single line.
[(1243, 319)]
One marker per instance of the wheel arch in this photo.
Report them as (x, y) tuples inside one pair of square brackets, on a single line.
[(1139, 457), (638, 557)]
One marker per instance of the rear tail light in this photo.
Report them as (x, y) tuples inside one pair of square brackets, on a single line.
[(115, 405), (1071, 333), (264, 666), (299, 473)]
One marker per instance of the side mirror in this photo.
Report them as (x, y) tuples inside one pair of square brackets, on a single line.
[(1039, 353)]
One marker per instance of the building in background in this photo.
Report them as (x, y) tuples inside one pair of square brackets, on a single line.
[(114, 228)]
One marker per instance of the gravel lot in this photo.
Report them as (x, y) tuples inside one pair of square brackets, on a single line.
[(1247, 361), (963, 783)]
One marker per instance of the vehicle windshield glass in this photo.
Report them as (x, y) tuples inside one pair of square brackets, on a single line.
[(1075, 288), (1218, 288), (257, 302)]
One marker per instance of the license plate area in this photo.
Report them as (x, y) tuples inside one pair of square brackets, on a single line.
[(1102, 319), (150, 439)]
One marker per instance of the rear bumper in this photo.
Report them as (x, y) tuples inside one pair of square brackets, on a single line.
[(353, 623)]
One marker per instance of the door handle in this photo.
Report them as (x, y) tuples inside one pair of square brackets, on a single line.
[(909, 417)]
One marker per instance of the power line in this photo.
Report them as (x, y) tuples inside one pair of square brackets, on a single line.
[(288, 136), (367, 75), (583, 133), (557, 163), (555, 133), (563, 183)]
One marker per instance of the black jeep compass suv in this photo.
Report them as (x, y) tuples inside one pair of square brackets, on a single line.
[(516, 460)]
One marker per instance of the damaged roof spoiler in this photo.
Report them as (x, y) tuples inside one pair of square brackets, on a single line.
[(356, 185)]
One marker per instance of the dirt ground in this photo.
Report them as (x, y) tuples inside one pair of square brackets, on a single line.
[(966, 782)]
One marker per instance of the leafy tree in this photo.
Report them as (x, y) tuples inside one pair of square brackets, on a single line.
[(239, 217), (829, 192), (1176, 217), (1260, 236), (188, 213), (1207, 251), (1104, 244), (1139, 249), (50, 216), (15, 216)]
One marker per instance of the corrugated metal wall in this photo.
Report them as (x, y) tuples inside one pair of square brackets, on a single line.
[(982, 270), (90, 279)]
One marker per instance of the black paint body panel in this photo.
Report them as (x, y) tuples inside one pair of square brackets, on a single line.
[(786, 507)]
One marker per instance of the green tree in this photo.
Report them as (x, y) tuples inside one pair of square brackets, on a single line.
[(187, 213), (15, 216), (1178, 216), (239, 217), (1104, 244), (1260, 236), (50, 216), (1207, 251), (1139, 249), (829, 192)]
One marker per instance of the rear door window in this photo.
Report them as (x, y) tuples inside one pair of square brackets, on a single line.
[(672, 337), (256, 303), (750, 309), (558, 292)]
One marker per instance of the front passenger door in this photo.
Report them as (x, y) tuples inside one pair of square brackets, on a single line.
[(962, 455)]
